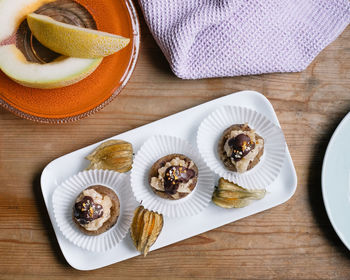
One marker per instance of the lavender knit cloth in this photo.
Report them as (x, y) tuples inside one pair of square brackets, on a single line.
[(217, 38)]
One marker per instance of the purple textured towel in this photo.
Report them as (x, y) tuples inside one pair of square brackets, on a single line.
[(217, 38)]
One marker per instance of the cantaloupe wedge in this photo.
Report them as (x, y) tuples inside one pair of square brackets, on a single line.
[(61, 72), (74, 41)]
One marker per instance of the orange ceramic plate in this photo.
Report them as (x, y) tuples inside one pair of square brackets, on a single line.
[(97, 90)]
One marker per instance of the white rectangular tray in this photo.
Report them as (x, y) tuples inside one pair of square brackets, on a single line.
[(212, 217)]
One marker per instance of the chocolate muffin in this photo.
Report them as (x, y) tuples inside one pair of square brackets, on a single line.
[(96, 210), (240, 148), (173, 176)]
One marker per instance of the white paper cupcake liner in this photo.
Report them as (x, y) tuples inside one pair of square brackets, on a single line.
[(153, 149), (267, 170), (64, 198)]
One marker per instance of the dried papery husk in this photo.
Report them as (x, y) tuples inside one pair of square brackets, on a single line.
[(114, 155), (145, 229), (154, 232), (137, 225), (143, 237), (231, 195), (227, 203)]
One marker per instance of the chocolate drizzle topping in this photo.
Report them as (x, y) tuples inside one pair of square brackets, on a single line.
[(86, 210), (241, 146), (174, 176)]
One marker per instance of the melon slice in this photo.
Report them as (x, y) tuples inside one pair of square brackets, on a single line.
[(59, 73), (13, 12), (62, 72), (73, 40)]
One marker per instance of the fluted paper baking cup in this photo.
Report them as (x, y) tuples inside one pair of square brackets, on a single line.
[(153, 149), (267, 170), (64, 198)]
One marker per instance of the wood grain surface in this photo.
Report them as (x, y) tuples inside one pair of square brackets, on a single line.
[(292, 241)]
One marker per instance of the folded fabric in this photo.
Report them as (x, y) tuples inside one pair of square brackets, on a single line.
[(217, 38)]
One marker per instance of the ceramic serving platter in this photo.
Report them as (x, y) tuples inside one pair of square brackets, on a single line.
[(212, 217)]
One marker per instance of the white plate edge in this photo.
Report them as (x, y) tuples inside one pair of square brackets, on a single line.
[(325, 201)]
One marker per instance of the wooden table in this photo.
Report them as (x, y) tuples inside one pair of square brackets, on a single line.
[(292, 241)]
